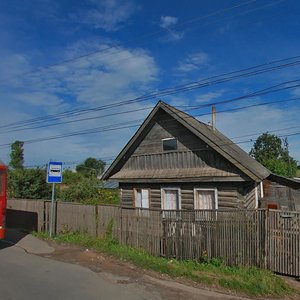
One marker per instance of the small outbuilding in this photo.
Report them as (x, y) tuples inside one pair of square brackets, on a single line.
[(175, 162)]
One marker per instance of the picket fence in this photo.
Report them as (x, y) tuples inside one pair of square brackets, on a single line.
[(267, 239)]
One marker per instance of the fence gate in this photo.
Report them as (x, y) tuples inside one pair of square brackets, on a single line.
[(283, 242)]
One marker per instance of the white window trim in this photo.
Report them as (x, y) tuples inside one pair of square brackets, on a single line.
[(134, 199), (256, 196), (261, 189), (215, 190), (163, 195)]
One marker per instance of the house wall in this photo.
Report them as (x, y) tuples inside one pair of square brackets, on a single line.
[(285, 197), (193, 156), (230, 195), (193, 165)]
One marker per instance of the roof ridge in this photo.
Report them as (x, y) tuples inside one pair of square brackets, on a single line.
[(213, 138)]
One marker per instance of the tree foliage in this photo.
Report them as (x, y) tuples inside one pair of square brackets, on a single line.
[(272, 152), (91, 167), (70, 177), (28, 184), (17, 155), (81, 186), (88, 191)]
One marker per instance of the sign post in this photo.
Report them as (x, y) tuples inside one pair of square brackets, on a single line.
[(54, 175)]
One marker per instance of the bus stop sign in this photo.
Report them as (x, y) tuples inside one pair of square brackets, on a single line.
[(54, 172)]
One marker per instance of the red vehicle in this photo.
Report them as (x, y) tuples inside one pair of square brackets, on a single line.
[(3, 182)]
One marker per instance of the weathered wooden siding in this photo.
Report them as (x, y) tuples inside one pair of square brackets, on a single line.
[(186, 163), (126, 196), (230, 195), (193, 155), (285, 197), (249, 195), (263, 238), (75, 217), (108, 218)]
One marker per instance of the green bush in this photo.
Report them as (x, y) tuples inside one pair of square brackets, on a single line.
[(87, 191), (28, 184)]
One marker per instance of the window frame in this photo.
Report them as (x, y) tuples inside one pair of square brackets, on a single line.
[(135, 194), (215, 190), (167, 139), (163, 196)]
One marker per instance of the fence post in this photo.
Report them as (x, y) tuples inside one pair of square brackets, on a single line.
[(266, 238), (163, 238), (97, 219), (44, 228), (121, 225)]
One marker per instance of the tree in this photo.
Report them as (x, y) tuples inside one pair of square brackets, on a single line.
[(28, 184), (70, 177), (273, 153), (87, 190), (91, 167), (17, 155)]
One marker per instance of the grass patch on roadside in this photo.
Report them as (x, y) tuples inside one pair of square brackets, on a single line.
[(247, 280)]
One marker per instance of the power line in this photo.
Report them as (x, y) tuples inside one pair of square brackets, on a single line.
[(169, 91), (21, 127), (203, 148), (129, 124), (188, 108)]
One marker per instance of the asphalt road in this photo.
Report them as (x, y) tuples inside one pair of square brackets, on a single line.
[(28, 271), (26, 276)]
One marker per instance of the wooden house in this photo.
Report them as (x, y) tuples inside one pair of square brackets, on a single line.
[(174, 161), (281, 193)]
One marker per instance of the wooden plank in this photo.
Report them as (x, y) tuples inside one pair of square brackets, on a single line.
[(36, 206), (76, 217), (269, 239)]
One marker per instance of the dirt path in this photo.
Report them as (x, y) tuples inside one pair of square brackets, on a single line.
[(115, 271), (121, 272)]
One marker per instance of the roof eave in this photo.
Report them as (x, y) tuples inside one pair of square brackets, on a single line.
[(108, 172)]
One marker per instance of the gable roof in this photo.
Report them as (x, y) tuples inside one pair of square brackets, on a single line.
[(213, 138)]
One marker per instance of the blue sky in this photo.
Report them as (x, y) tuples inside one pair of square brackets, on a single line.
[(61, 56)]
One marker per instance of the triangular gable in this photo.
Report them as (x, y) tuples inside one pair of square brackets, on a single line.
[(217, 141)]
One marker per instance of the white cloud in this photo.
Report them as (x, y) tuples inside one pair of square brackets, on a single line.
[(258, 120), (207, 97), (109, 15), (13, 65), (167, 21), (193, 62), (97, 80)]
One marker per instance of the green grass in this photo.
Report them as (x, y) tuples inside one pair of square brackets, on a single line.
[(245, 280)]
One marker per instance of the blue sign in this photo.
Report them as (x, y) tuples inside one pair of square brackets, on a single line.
[(54, 172)]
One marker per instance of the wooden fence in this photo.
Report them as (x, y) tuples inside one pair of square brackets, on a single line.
[(264, 238)]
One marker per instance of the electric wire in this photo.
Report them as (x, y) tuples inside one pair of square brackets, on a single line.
[(164, 92)]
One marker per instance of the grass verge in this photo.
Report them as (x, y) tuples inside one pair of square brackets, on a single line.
[(246, 280)]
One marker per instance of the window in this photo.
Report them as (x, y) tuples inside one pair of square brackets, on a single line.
[(169, 144), (141, 197), (171, 199), (205, 199)]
